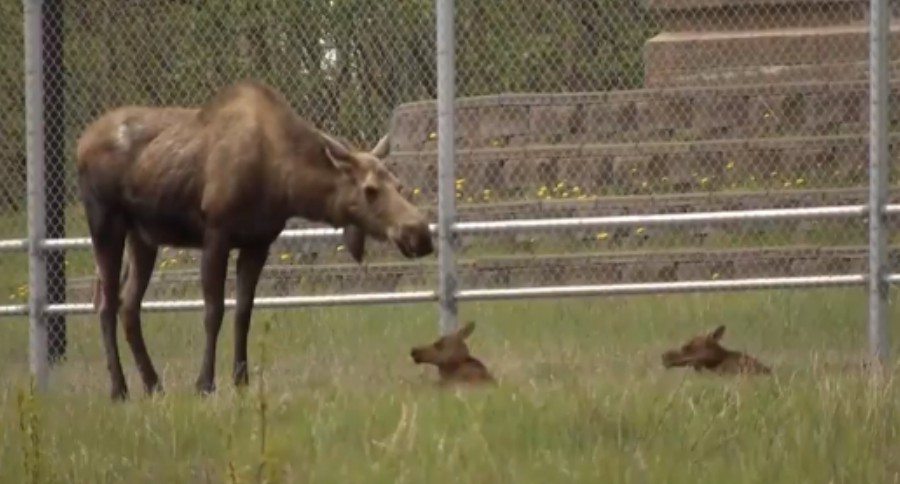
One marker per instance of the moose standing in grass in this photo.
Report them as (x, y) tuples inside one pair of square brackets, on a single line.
[(227, 175)]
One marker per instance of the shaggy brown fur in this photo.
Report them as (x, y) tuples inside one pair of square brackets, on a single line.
[(704, 352), (451, 356)]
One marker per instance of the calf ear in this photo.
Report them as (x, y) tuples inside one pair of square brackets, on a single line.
[(355, 241), (466, 330), (716, 335), (382, 148)]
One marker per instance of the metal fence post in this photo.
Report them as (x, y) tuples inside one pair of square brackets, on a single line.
[(34, 128), (878, 179), (446, 78), (52, 38)]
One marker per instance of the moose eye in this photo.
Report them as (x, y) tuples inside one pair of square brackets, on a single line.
[(371, 193)]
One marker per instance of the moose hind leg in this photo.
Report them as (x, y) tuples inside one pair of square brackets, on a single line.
[(108, 237), (249, 266), (142, 258)]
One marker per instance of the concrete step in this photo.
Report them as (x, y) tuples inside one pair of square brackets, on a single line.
[(703, 15), (834, 52), (528, 270), (658, 168), (645, 115)]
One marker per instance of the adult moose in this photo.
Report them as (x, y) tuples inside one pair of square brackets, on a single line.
[(227, 175)]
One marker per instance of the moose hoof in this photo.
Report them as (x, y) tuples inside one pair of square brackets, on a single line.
[(118, 393), (205, 387), (241, 378), (154, 388)]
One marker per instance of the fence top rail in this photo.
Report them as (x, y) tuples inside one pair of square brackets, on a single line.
[(718, 285), (835, 211)]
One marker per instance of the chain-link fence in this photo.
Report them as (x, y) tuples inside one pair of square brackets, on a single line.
[(565, 110)]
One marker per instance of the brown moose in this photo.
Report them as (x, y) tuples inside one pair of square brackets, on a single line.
[(451, 356), (704, 352), (226, 175)]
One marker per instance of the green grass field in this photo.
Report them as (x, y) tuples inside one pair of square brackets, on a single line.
[(582, 398)]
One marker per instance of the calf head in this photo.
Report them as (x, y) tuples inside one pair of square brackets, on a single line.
[(701, 351), (705, 352), (451, 355), (370, 201)]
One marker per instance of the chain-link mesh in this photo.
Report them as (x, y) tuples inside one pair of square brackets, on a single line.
[(595, 107), (608, 107)]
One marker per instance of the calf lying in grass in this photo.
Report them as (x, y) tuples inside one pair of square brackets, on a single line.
[(451, 355), (705, 353)]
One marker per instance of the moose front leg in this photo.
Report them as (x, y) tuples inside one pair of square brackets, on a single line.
[(213, 267), (249, 265)]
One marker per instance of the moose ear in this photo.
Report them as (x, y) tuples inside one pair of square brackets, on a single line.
[(337, 153), (355, 241), (382, 148), (716, 335), (466, 330)]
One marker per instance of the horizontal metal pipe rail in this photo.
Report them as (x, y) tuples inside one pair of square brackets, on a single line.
[(841, 211), (836, 211), (408, 297)]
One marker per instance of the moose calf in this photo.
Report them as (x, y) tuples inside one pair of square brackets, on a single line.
[(451, 355), (704, 352)]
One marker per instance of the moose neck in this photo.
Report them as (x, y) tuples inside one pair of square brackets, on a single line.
[(312, 193)]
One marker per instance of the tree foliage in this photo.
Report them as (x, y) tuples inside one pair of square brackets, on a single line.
[(344, 64)]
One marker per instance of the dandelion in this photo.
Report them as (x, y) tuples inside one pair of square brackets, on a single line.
[(704, 180), (730, 165), (417, 191), (542, 191), (565, 194), (458, 195), (284, 256), (787, 184), (800, 181), (644, 184), (752, 177), (774, 173), (339, 248), (633, 171), (602, 236), (576, 190), (469, 200), (665, 179), (715, 275), (560, 185), (640, 230), (582, 197), (432, 135)]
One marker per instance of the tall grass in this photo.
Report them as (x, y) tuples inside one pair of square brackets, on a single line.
[(582, 397)]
